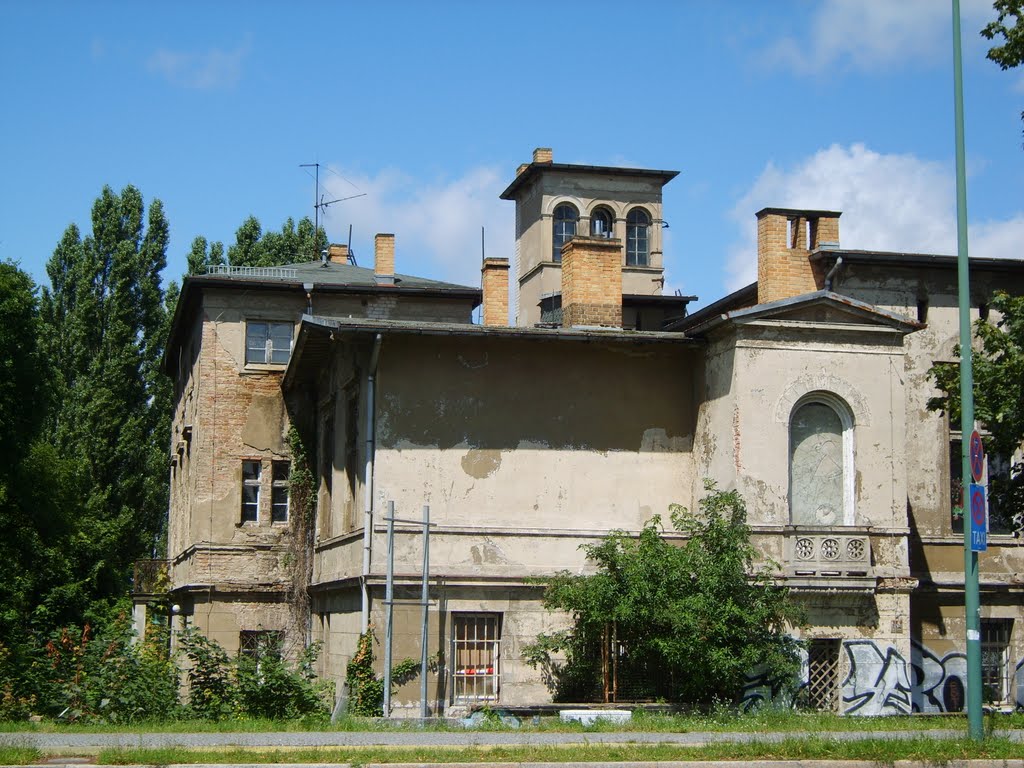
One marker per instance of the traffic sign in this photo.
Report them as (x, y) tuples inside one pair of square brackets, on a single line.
[(979, 518), (977, 457)]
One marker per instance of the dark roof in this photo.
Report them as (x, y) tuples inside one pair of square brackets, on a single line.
[(330, 277), (898, 258), (326, 327), (536, 169), (670, 300), (329, 274)]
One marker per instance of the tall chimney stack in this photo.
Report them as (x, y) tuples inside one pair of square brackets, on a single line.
[(786, 237), (592, 282), (494, 286), (384, 259)]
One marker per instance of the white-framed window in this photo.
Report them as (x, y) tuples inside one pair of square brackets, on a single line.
[(563, 228), (476, 657), (602, 222), (267, 342), (251, 471), (821, 476), (638, 234), (995, 659), (279, 491)]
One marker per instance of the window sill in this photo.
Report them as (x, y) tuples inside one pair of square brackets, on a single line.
[(263, 367)]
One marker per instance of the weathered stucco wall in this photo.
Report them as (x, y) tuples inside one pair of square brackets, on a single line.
[(513, 434)]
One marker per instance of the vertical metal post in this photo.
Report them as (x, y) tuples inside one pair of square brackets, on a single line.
[(389, 601), (972, 607), (425, 598)]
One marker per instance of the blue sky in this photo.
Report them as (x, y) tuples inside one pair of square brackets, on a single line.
[(428, 107)]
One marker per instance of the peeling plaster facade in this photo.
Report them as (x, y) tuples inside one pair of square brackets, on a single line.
[(528, 442)]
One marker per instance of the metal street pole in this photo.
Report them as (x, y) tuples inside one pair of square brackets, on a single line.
[(972, 607)]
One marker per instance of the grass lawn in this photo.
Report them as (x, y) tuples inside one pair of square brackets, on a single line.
[(784, 721), (811, 748)]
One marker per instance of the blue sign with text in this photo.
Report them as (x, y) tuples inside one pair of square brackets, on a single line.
[(979, 518)]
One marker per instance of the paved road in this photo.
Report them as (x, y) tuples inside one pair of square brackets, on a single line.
[(87, 741)]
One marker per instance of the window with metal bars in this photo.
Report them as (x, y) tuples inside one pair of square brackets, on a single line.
[(995, 658), (822, 691), (476, 646), (259, 643)]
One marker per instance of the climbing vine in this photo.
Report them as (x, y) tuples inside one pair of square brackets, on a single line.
[(365, 689), (302, 511)]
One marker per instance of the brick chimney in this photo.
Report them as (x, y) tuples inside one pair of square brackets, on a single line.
[(785, 239), (592, 282), (337, 254), (543, 155), (494, 284), (384, 259)]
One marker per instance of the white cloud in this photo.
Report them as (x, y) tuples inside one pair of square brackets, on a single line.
[(874, 34), (889, 202), (436, 225), (204, 70)]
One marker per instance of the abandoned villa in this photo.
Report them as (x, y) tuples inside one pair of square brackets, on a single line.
[(583, 401)]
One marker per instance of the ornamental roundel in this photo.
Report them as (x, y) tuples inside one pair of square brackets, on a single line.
[(830, 549), (855, 549), (804, 549)]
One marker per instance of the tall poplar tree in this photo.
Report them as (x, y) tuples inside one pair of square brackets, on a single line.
[(103, 330)]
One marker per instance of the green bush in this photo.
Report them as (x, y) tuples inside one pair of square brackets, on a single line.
[(685, 619), (260, 684)]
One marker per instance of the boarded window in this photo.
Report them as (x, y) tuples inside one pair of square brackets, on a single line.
[(816, 466)]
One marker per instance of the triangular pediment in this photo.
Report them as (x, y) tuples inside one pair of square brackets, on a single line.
[(823, 309)]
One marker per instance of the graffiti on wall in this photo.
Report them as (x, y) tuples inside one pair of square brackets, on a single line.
[(879, 681), (939, 683), (876, 681)]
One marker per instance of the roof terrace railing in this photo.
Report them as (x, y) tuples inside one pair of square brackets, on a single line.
[(283, 273)]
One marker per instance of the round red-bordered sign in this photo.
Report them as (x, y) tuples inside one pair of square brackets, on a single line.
[(977, 457), (978, 506)]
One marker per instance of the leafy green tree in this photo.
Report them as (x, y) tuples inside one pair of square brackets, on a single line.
[(689, 621), (103, 324), (203, 255), (1010, 53), (998, 400), (293, 244)]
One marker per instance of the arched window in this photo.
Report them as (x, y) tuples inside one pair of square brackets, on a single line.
[(821, 462), (563, 229), (601, 222), (638, 228)]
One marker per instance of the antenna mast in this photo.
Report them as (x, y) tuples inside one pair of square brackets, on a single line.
[(319, 202)]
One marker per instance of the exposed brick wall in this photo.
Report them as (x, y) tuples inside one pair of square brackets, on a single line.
[(785, 240), (494, 283), (592, 282)]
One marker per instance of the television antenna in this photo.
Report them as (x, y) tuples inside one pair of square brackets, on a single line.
[(319, 202)]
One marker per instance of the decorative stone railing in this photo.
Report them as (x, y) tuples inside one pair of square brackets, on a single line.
[(833, 553)]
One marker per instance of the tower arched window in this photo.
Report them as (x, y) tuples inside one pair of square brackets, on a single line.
[(602, 222), (821, 462), (638, 234), (563, 228)]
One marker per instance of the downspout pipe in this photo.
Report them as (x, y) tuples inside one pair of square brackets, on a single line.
[(371, 429), (833, 272)]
